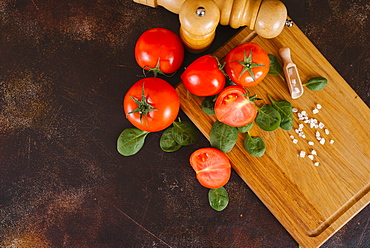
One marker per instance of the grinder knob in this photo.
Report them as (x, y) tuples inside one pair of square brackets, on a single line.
[(271, 19), (199, 20)]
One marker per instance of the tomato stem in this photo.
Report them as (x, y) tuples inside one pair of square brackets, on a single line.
[(143, 106), (157, 69), (250, 98), (220, 66), (248, 64)]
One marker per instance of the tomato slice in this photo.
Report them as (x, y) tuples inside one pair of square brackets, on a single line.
[(234, 108), (212, 167)]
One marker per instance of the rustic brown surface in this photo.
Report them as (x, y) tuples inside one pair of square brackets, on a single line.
[(64, 68)]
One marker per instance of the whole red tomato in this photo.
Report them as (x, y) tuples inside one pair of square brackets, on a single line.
[(234, 108), (151, 104), (212, 167), (203, 77), (159, 50), (247, 64)]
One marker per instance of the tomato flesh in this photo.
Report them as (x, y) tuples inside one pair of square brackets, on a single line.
[(233, 107), (212, 167), (162, 99)]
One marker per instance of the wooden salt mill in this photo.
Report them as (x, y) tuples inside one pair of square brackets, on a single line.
[(199, 18)]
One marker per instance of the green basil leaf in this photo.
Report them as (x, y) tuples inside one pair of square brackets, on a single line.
[(268, 118), (184, 133), (167, 142), (218, 198), (208, 105), (254, 145), (316, 83), (130, 141), (275, 67), (245, 128), (285, 110), (223, 137)]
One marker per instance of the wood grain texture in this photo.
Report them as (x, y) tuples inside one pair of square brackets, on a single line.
[(311, 202)]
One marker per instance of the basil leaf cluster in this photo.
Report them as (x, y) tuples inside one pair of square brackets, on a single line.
[(181, 134), (131, 140)]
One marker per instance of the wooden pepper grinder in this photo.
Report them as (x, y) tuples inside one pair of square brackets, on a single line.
[(199, 18)]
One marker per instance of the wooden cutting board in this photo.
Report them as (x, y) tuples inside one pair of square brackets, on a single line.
[(311, 202)]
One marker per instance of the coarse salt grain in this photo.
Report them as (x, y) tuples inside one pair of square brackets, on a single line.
[(296, 90), (303, 116), (311, 121)]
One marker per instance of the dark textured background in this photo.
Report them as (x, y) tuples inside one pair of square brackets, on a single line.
[(64, 69)]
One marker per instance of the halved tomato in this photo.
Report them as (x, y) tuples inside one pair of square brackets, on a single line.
[(212, 167), (234, 108)]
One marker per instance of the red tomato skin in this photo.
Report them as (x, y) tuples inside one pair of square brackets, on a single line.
[(212, 167), (203, 76), (159, 43), (161, 95), (233, 108), (234, 68)]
